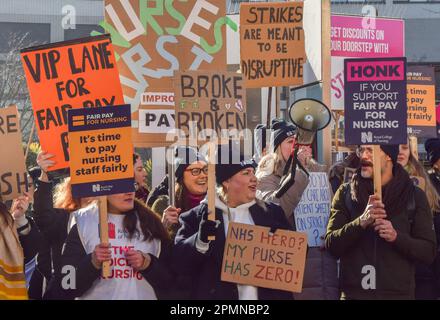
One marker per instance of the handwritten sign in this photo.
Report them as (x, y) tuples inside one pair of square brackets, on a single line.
[(361, 37), (61, 76), (272, 44), (209, 104), (421, 102), (101, 151), (313, 210), (13, 176), (256, 257), (375, 101), (153, 40)]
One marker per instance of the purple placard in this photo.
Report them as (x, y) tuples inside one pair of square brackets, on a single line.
[(375, 101)]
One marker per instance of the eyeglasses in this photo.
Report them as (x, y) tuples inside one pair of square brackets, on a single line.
[(197, 171), (360, 151)]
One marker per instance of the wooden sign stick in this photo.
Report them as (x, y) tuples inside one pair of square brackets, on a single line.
[(103, 231), (377, 171), (211, 184)]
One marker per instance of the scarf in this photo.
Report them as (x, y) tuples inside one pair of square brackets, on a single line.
[(398, 188), (12, 280), (192, 200)]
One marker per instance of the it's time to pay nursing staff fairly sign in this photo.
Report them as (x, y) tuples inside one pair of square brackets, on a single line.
[(375, 101)]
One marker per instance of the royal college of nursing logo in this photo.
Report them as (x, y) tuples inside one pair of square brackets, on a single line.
[(367, 137), (96, 188)]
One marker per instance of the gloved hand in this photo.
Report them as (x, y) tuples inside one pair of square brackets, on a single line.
[(207, 227)]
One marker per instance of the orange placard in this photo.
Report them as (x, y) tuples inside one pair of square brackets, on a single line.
[(154, 39), (101, 151), (421, 101), (256, 257), (67, 75), (272, 44), (13, 176)]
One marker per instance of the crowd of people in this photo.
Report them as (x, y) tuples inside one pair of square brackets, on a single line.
[(375, 247)]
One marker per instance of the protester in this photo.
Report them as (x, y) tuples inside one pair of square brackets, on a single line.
[(379, 239), (140, 174), (52, 212), (271, 167), (320, 273), (19, 243), (139, 250), (235, 202), (191, 176)]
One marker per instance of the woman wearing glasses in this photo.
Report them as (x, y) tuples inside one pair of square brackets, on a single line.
[(190, 189)]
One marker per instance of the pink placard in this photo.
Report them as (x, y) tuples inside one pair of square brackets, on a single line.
[(376, 71), (350, 39)]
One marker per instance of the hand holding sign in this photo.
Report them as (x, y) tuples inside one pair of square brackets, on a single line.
[(375, 210)]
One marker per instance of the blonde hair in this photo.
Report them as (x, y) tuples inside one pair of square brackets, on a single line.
[(270, 163), (63, 199), (415, 168)]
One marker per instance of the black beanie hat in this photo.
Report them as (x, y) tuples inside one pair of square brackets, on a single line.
[(230, 161), (432, 147), (392, 150), (184, 157), (281, 130)]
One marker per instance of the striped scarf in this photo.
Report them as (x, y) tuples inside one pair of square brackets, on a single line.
[(12, 280)]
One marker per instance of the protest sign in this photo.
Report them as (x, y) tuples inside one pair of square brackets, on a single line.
[(272, 44), (66, 75), (256, 257), (209, 104), (361, 37), (13, 174), (421, 102), (101, 151), (154, 39), (375, 101), (313, 210)]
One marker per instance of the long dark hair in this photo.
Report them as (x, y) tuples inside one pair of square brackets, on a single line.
[(150, 222)]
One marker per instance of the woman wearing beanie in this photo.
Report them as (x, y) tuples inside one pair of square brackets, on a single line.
[(138, 253), (270, 170), (190, 189), (235, 201)]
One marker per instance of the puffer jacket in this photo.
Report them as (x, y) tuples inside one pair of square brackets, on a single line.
[(268, 184)]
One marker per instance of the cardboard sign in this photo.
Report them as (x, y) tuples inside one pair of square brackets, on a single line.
[(65, 75), (155, 38), (421, 101), (256, 257), (101, 151), (375, 101), (209, 103), (272, 44), (313, 210), (13, 175), (361, 37)]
